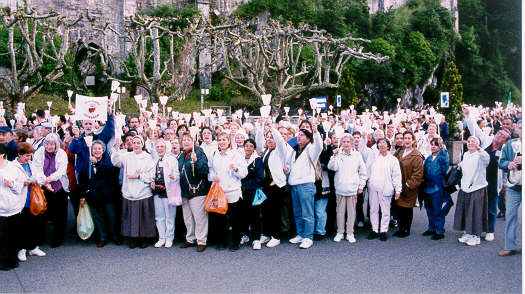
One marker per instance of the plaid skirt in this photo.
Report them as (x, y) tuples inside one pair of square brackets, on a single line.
[(472, 212), (138, 218)]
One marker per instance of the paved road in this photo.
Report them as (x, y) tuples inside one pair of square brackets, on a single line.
[(413, 265)]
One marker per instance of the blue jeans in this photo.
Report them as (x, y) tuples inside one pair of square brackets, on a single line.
[(493, 211), (512, 204), (437, 205), (320, 216), (303, 209)]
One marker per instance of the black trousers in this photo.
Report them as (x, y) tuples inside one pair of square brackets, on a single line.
[(251, 216), (105, 220), (220, 221), (404, 217), (9, 238), (271, 211), (32, 228), (331, 227), (57, 214), (287, 218), (359, 214)]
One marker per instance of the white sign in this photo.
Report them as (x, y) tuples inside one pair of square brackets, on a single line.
[(338, 101), (444, 98), (91, 108)]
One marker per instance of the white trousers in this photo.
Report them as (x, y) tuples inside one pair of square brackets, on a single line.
[(377, 200), (164, 218)]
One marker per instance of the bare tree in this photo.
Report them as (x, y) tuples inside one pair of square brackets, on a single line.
[(154, 61), (35, 52), (270, 61)]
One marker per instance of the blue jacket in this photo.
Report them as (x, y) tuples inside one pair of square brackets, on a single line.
[(103, 182), (255, 178), (79, 147), (435, 171)]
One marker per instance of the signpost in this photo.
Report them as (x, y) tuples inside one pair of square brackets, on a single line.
[(319, 102), (445, 99), (338, 102)]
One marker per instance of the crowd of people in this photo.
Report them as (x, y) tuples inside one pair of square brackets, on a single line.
[(323, 175)]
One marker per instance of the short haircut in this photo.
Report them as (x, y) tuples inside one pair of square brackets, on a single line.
[(99, 142), (25, 148), (386, 141), (251, 141)]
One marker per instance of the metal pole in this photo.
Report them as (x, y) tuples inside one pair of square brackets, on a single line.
[(202, 101)]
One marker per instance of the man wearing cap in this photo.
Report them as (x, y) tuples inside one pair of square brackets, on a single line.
[(6, 137), (302, 181)]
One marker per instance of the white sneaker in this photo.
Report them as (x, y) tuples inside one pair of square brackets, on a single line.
[(256, 245), (306, 243), (296, 240), (464, 238), (351, 238), (489, 237), (245, 239), (22, 255), (37, 252), (360, 224), (160, 243), (264, 239), (473, 241), (273, 242), (338, 237), (168, 244)]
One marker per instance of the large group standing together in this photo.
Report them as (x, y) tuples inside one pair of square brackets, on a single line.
[(320, 175)]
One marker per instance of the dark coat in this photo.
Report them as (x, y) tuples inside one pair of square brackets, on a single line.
[(412, 173), (198, 178), (103, 184)]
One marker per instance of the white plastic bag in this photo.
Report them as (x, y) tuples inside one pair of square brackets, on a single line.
[(85, 225)]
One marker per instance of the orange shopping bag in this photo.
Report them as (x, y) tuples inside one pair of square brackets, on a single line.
[(38, 204), (216, 200)]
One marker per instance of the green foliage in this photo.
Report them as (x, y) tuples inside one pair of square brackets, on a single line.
[(452, 83), (347, 89)]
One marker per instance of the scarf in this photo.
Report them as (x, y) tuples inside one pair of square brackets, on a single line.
[(50, 168)]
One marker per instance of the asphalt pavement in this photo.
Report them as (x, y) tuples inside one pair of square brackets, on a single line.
[(412, 265)]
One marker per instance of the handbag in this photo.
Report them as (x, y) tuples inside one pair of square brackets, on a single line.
[(85, 225), (174, 194), (452, 179), (38, 202), (317, 167), (259, 197), (216, 200)]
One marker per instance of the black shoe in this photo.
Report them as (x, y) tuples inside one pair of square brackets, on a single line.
[(318, 237), (372, 235), (132, 244), (9, 267), (397, 233), (428, 233), (117, 241), (55, 244), (383, 237), (438, 237), (234, 247), (143, 244), (220, 247), (401, 234)]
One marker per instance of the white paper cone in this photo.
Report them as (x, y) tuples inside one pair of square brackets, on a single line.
[(266, 99)]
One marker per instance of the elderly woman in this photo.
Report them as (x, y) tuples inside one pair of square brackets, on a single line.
[(350, 179), (138, 212), (411, 162), (194, 186), (102, 194), (51, 161), (228, 168), (32, 226), (471, 213), (166, 175), (12, 202), (436, 166)]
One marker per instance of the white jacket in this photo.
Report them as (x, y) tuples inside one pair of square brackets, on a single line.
[(60, 165), (39, 177), (229, 180), (132, 163), (302, 171), (474, 170), (12, 200), (209, 149), (278, 158), (350, 172), (393, 177)]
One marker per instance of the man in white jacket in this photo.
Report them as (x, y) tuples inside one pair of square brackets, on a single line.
[(302, 182)]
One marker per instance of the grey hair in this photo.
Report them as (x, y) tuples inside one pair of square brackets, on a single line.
[(477, 140), (53, 138), (102, 144), (161, 141), (346, 135), (37, 130)]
